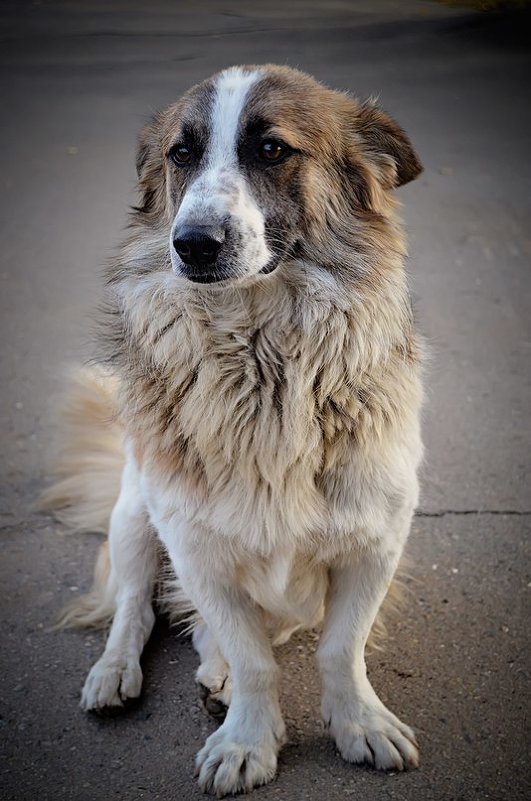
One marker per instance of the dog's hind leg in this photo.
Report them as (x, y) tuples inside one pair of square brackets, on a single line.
[(213, 678), (363, 728), (117, 675)]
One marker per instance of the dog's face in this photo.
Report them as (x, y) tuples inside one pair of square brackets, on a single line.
[(259, 165)]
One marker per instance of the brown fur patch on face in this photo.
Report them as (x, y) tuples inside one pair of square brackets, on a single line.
[(288, 107), (329, 199), (160, 182)]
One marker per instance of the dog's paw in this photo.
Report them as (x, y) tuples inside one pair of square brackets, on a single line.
[(366, 731), (111, 681), (237, 758)]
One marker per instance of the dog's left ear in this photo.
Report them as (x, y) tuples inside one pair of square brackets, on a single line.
[(387, 145), (142, 153), (150, 169), (148, 147)]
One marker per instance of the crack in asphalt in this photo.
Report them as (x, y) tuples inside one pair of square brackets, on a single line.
[(443, 512), (418, 513), (8, 527)]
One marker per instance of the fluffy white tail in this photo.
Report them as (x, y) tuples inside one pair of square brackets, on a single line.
[(87, 473), (91, 458)]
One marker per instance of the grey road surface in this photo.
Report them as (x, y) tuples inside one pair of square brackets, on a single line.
[(78, 80)]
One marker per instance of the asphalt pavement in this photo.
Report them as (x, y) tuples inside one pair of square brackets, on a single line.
[(78, 80)]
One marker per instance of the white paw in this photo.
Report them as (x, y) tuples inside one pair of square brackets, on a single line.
[(240, 755), (112, 680), (366, 731)]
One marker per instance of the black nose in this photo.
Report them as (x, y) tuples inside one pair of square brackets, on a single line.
[(198, 246)]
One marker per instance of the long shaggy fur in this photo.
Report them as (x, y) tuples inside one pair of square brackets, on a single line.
[(263, 402), (88, 472), (90, 459)]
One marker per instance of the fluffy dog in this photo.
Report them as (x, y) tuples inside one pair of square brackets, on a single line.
[(261, 403)]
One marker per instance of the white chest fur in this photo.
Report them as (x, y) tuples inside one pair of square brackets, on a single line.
[(268, 397)]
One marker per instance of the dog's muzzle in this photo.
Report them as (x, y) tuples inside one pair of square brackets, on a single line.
[(198, 249)]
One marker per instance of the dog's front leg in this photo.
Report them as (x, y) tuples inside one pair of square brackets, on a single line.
[(362, 726), (242, 753), (117, 675)]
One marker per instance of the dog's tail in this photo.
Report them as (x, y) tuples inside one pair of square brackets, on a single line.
[(91, 458), (87, 473)]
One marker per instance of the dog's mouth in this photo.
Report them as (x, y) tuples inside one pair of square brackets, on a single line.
[(213, 277), (288, 252), (216, 276), (271, 266)]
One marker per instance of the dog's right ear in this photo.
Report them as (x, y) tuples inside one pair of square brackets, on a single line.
[(387, 145), (150, 169)]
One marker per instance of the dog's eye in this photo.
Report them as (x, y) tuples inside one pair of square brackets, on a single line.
[(270, 150), (181, 155)]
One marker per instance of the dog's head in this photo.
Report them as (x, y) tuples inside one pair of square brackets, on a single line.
[(259, 165)]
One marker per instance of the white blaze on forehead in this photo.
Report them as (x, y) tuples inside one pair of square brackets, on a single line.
[(220, 194), (232, 88)]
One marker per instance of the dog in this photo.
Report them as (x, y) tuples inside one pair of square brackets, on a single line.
[(256, 410)]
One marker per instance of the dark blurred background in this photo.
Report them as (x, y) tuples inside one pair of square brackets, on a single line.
[(78, 81)]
